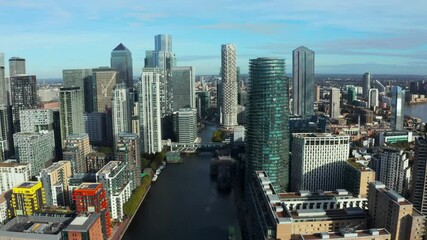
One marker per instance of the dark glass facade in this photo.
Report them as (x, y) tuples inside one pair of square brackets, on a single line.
[(267, 132)]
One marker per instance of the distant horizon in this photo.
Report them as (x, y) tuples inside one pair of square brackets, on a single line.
[(347, 37)]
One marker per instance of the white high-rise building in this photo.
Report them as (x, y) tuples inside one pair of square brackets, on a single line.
[(318, 161), (150, 118), (36, 120), (397, 108), (16, 66), (12, 174), (373, 98), (185, 125), (113, 177), (334, 102), (303, 82), (392, 168), (122, 110), (229, 86), (38, 149), (366, 84)]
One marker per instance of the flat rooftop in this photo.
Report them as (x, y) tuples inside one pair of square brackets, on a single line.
[(367, 233), (82, 222), (88, 186), (12, 164), (28, 184)]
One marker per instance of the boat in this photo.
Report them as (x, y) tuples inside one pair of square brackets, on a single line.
[(154, 178), (158, 171)]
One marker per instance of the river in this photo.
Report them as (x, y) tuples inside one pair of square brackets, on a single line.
[(184, 203), (417, 110)]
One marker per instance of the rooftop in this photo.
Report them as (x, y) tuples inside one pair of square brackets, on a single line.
[(349, 234), (88, 186), (83, 222), (12, 164), (121, 47), (28, 184)]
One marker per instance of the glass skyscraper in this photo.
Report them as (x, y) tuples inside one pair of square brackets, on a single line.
[(397, 100), (267, 132), (303, 82), (121, 61)]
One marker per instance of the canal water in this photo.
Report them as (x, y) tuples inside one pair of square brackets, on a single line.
[(417, 110), (184, 203)]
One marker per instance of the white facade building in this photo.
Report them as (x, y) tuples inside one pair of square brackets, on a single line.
[(150, 118), (373, 98), (38, 149), (12, 174), (36, 120), (185, 125), (122, 110), (113, 177), (229, 86), (334, 100), (318, 161)]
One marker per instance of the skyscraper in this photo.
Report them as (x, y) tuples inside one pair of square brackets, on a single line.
[(182, 82), (419, 176), (150, 117), (303, 82), (36, 120), (351, 94), (121, 61), (334, 102), (71, 113), (373, 98), (3, 86), (80, 78), (366, 84), (122, 110), (267, 132), (16, 66), (162, 58), (128, 151), (24, 96), (397, 108), (312, 167), (6, 132), (104, 79), (229, 86), (38, 149), (76, 148)]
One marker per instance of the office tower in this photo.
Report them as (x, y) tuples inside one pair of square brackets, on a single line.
[(55, 183), (351, 94), (389, 210), (318, 161), (182, 85), (357, 178), (185, 125), (76, 148), (317, 93), (36, 120), (203, 103), (71, 113), (16, 66), (24, 96), (150, 117), (115, 181), (3, 87), (38, 149), (121, 61), (229, 86), (366, 85), (6, 131), (162, 58), (84, 226), (303, 82), (104, 79), (334, 102), (419, 175), (57, 133), (27, 198), (81, 78), (128, 151), (373, 98), (122, 105), (392, 168), (12, 174), (397, 108), (92, 197), (267, 132), (96, 125)]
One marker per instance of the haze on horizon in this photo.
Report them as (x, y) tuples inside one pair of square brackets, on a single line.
[(382, 37)]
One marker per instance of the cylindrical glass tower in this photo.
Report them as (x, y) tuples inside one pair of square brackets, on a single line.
[(267, 132)]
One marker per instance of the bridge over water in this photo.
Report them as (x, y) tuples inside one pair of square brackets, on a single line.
[(192, 147)]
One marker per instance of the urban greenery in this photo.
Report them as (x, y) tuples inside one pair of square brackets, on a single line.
[(153, 160), (131, 206), (218, 136)]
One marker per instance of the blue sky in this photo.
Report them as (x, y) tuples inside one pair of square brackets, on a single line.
[(379, 36)]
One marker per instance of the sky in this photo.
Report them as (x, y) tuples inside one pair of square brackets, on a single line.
[(377, 36)]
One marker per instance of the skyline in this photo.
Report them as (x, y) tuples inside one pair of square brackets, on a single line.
[(382, 37)]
